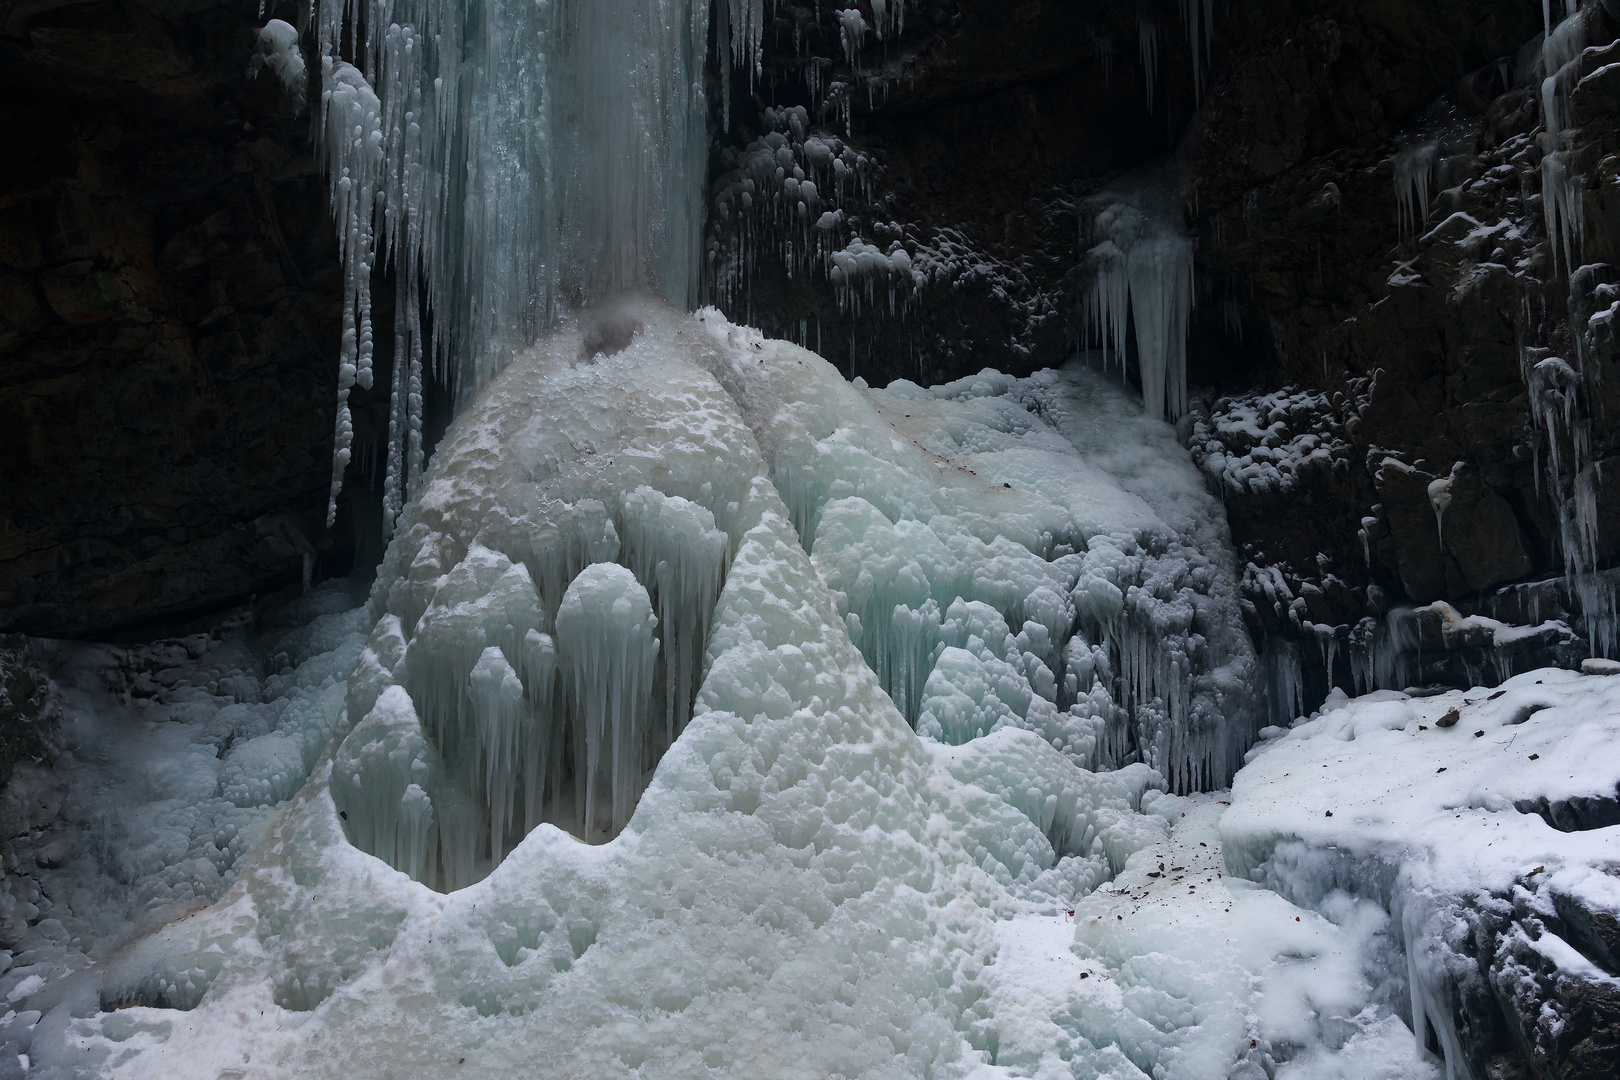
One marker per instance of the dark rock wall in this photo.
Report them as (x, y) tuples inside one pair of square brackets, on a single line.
[(168, 287), (1422, 336)]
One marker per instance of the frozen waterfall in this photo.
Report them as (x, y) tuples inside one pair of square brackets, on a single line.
[(508, 161), (685, 602)]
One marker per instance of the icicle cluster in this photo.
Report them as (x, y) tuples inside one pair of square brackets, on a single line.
[(1414, 169), (1557, 386), (1141, 259)]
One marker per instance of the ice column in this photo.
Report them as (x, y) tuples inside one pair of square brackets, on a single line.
[(605, 636), (352, 126), (673, 544)]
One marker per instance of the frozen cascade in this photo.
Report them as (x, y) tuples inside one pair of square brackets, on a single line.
[(1142, 261), (508, 166), (1558, 390)]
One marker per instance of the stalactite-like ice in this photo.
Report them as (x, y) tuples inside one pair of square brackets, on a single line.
[(1141, 259)]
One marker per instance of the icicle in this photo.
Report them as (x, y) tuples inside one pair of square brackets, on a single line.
[(1145, 256), (353, 151), (1561, 202), (673, 544), (378, 775), (1439, 501), (499, 722), (1147, 39), (1414, 172), (1198, 19)]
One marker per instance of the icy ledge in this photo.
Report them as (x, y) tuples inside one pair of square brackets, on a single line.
[(1487, 823)]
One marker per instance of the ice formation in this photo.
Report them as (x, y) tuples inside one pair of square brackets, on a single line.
[(277, 49), (790, 865), (1142, 261)]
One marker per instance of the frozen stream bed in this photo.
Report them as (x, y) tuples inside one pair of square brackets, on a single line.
[(711, 716)]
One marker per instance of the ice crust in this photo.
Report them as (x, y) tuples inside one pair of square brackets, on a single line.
[(176, 755), (804, 883)]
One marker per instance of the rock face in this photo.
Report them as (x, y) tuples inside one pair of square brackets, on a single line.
[(168, 286), (1440, 333)]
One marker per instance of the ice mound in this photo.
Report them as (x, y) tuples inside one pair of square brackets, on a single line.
[(602, 618)]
